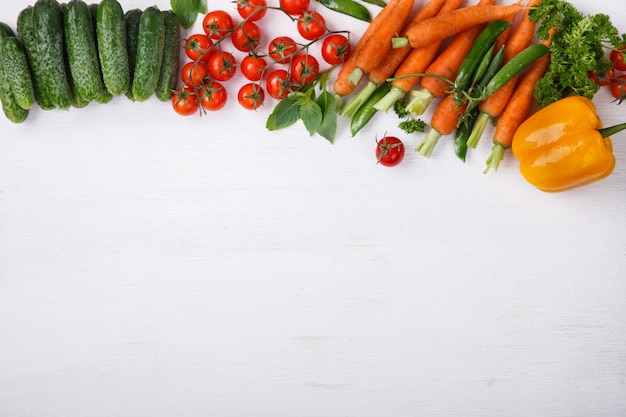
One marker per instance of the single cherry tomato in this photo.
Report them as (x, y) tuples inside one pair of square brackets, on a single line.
[(217, 24), (252, 10), (222, 66), (251, 96), (602, 79), (278, 84), (213, 96), (194, 73), (282, 48), (335, 49), (253, 67), (294, 7), (198, 47), (246, 36), (185, 101), (389, 151), (311, 25), (304, 68), (618, 87), (617, 57)]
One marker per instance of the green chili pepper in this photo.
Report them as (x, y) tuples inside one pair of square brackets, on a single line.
[(348, 7), (367, 109)]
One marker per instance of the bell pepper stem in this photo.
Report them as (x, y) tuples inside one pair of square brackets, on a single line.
[(611, 130)]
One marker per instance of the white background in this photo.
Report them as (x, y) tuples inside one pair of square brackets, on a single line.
[(154, 265)]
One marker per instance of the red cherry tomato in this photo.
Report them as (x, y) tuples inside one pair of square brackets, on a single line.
[(294, 7), (617, 57), (198, 47), (282, 48), (213, 96), (304, 68), (246, 37), (253, 67), (217, 24), (185, 101), (311, 25), (389, 151), (193, 74), (277, 84), (618, 87), (335, 49), (222, 66), (252, 10), (602, 79), (251, 96)]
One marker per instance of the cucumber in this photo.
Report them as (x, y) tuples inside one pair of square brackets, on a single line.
[(171, 55), (17, 72), (82, 54), (26, 34), (111, 36), (105, 96), (13, 111), (131, 20), (50, 46), (150, 44)]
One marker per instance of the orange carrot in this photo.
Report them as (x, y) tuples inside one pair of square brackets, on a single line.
[(448, 24), (384, 26), (444, 121)]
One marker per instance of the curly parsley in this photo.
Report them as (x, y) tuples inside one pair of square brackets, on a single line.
[(409, 124), (578, 47)]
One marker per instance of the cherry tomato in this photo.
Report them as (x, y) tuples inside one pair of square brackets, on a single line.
[(246, 36), (389, 151), (213, 96), (311, 25), (222, 66), (617, 57), (252, 10), (294, 7), (304, 68), (193, 74), (251, 96), (277, 84), (618, 87), (602, 79), (282, 48), (253, 67), (217, 24), (335, 49), (185, 101), (197, 47)]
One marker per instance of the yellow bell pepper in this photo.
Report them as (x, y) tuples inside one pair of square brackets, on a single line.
[(561, 146)]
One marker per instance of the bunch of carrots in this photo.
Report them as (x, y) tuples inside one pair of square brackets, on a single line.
[(404, 59)]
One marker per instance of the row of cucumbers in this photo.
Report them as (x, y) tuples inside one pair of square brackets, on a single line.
[(68, 55)]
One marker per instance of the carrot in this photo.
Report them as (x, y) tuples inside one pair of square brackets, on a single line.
[(516, 110), (384, 26), (448, 24), (444, 121), (493, 105)]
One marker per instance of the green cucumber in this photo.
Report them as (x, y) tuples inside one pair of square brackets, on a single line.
[(111, 36), (50, 46), (80, 41), (131, 20), (105, 96), (17, 72), (26, 34), (171, 55), (12, 110), (149, 57)]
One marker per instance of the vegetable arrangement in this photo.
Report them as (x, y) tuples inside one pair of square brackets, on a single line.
[(479, 62)]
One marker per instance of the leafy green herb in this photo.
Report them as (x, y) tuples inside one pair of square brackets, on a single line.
[(578, 46), (313, 104), (187, 10), (409, 124)]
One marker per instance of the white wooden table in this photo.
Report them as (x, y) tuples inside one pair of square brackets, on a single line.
[(153, 265)]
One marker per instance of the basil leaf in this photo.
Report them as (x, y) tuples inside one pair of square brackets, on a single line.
[(285, 114), (311, 115), (328, 127), (187, 10)]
